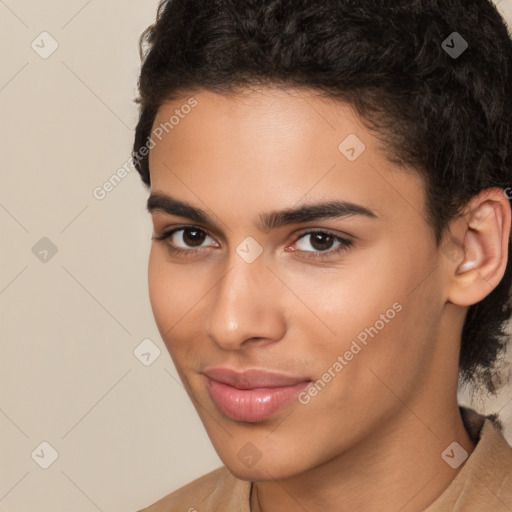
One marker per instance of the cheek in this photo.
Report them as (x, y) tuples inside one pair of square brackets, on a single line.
[(160, 291), (175, 294), (342, 302), (368, 324), (167, 288), (370, 318), (385, 345)]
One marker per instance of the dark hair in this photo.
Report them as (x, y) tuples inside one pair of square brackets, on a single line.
[(446, 116)]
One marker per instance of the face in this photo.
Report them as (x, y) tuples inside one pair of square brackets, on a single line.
[(343, 301)]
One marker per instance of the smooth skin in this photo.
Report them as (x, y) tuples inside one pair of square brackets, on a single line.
[(372, 438)]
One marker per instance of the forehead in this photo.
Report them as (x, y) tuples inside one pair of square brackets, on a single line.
[(272, 146)]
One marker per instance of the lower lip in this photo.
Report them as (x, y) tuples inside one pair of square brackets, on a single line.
[(252, 404)]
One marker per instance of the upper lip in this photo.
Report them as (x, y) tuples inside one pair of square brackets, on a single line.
[(252, 378)]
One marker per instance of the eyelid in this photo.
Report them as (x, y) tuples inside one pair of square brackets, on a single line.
[(304, 231), (167, 233), (327, 231), (346, 241)]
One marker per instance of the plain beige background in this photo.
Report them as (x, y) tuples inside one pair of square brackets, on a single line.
[(88, 388)]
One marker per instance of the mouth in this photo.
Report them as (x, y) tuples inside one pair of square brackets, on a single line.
[(252, 395)]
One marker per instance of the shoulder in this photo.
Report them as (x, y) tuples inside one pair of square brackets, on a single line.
[(492, 468), (217, 490), (491, 461), (485, 480)]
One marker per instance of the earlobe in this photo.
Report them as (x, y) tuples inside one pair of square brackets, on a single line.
[(484, 238)]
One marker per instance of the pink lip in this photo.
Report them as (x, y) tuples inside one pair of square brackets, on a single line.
[(252, 395)]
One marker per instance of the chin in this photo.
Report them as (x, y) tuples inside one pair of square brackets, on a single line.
[(263, 470)]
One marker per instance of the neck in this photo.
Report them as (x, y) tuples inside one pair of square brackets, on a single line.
[(398, 467)]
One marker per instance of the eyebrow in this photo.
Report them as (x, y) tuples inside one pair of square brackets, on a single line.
[(159, 202)]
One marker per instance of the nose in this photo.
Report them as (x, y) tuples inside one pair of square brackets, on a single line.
[(244, 308)]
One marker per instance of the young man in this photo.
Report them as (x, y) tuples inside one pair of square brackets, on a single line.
[(328, 189)]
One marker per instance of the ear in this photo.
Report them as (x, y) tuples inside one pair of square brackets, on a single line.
[(477, 247)]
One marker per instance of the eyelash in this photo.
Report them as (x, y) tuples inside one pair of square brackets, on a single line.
[(345, 244)]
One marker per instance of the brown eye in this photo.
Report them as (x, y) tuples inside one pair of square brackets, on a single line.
[(193, 237), (184, 239), (321, 241), (321, 244)]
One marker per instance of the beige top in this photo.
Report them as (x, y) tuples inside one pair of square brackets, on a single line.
[(484, 484)]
